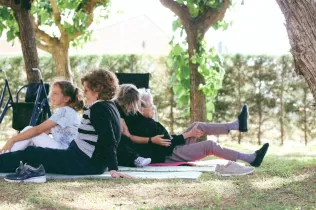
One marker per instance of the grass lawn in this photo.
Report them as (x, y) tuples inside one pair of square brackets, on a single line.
[(286, 180)]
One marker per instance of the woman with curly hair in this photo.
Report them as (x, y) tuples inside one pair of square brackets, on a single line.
[(92, 151)]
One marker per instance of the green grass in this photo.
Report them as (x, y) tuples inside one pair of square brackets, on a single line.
[(286, 180)]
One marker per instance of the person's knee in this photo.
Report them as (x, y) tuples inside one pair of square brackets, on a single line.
[(36, 140), (209, 145), (198, 125)]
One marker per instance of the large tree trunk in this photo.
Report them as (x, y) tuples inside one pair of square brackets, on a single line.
[(61, 58), (197, 98), (193, 27), (28, 43), (301, 27)]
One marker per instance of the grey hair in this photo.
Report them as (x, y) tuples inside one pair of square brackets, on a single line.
[(128, 98), (145, 96)]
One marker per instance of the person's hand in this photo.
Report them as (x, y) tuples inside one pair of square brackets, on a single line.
[(7, 147), (195, 132), (125, 130), (115, 174), (160, 141)]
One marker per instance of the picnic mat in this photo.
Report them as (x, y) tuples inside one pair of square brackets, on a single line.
[(178, 170), (191, 175), (202, 166)]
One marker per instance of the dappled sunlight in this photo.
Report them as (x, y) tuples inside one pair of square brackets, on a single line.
[(277, 182), (9, 206), (223, 188)]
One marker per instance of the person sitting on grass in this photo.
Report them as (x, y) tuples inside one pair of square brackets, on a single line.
[(63, 124), (127, 102), (150, 139), (93, 150)]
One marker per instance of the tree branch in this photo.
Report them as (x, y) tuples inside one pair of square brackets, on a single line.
[(180, 10), (44, 47), (88, 9), (5, 3), (212, 16), (42, 36), (57, 16)]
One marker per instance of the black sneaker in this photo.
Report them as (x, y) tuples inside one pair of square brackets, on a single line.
[(260, 155), (243, 119), (26, 173)]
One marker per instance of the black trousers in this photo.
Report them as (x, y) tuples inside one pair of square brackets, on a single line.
[(126, 154), (71, 161)]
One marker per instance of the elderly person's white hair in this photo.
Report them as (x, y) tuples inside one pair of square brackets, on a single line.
[(128, 98), (145, 97), (147, 100)]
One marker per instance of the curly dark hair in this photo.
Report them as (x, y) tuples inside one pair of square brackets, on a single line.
[(102, 81)]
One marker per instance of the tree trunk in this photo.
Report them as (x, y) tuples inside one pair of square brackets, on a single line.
[(239, 95), (197, 98), (28, 43), (172, 105), (301, 24), (260, 123), (282, 105), (305, 116), (61, 58)]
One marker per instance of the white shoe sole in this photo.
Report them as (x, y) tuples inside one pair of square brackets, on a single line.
[(145, 163), (39, 179), (242, 174)]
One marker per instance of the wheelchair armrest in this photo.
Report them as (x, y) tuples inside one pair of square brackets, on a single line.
[(17, 94)]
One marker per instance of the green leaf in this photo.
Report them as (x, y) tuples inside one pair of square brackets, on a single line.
[(177, 50), (176, 24), (10, 35), (185, 100), (4, 13), (44, 17)]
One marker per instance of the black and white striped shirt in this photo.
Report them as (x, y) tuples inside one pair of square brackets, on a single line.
[(99, 133)]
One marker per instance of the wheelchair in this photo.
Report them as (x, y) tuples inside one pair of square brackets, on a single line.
[(34, 110)]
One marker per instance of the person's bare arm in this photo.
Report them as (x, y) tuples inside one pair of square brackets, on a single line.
[(35, 131), (145, 140)]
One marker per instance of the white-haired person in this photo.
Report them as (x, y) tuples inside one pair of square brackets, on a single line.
[(152, 140)]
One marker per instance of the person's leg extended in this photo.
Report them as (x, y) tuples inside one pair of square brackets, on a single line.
[(53, 160), (224, 128), (197, 151), (211, 129), (21, 145), (45, 141)]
